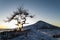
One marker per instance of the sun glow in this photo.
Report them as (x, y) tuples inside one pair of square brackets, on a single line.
[(3, 27), (8, 25), (20, 25)]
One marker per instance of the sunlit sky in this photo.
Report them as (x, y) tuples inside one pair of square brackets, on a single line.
[(46, 10)]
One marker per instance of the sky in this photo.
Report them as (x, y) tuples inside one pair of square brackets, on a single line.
[(45, 10)]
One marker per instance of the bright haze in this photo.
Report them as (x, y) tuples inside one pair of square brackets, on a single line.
[(46, 10)]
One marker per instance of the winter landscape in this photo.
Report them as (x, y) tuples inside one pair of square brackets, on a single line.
[(38, 31), (29, 19)]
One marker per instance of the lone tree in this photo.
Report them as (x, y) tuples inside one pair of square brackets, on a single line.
[(20, 16)]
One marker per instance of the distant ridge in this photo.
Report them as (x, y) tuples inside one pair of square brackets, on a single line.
[(43, 25), (38, 25)]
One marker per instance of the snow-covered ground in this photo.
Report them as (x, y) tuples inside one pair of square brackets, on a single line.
[(34, 32), (43, 34)]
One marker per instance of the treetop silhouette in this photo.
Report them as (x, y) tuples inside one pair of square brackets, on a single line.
[(21, 17)]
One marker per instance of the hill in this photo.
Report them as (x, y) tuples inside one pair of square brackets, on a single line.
[(38, 31)]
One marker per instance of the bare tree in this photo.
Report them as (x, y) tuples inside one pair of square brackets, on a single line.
[(22, 15)]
